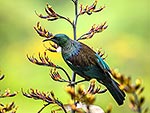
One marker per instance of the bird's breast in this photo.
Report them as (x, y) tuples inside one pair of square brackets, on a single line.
[(71, 51)]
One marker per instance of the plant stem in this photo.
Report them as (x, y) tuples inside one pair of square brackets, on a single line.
[(58, 67), (75, 19), (75, 31), (74, 25), (45, 105)]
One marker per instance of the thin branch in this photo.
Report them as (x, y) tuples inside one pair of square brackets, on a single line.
[(56, 76), (73, 1), (65, 18), (74, 30), (58, 67), (45, 105), (75, 37), (83, 36), (61, 105), (76, 12), (75, 19), (74, 83)]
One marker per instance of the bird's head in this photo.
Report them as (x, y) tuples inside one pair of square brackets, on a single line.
[(60, 39)]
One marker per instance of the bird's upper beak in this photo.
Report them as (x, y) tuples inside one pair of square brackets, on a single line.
[(49, 39)]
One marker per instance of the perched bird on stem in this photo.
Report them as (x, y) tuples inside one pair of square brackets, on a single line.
[(88, 64)]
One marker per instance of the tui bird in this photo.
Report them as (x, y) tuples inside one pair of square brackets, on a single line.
[(88, 64)]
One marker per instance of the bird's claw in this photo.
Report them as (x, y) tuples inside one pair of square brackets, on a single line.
[(72, 83)]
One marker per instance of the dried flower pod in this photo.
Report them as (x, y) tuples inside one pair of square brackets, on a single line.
[(94, 29), (137, 84), (142, 100), (146, 110), (134, 89), (1, 77), (132, 100), (91, 86), (90, 9), (71, 91), (86, 96), (140, 90), (109, 109), (89, 99), (42, 32), (51, 14), (11, 107), (48, 97), (8, 94), (93, 90), (50, 11), (100, 9), (56, 76), (101, 54), (81, 90), (44, 61)]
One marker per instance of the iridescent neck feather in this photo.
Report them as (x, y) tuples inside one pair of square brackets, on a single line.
[(71, 48)]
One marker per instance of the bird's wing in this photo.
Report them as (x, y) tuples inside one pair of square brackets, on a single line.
[(102, 64), (94, 59), (87, 57), (84, 58)]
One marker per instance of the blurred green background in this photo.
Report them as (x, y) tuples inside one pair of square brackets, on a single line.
[(126, 42)]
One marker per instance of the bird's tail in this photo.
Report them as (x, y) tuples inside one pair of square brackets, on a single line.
[(116, 92)]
